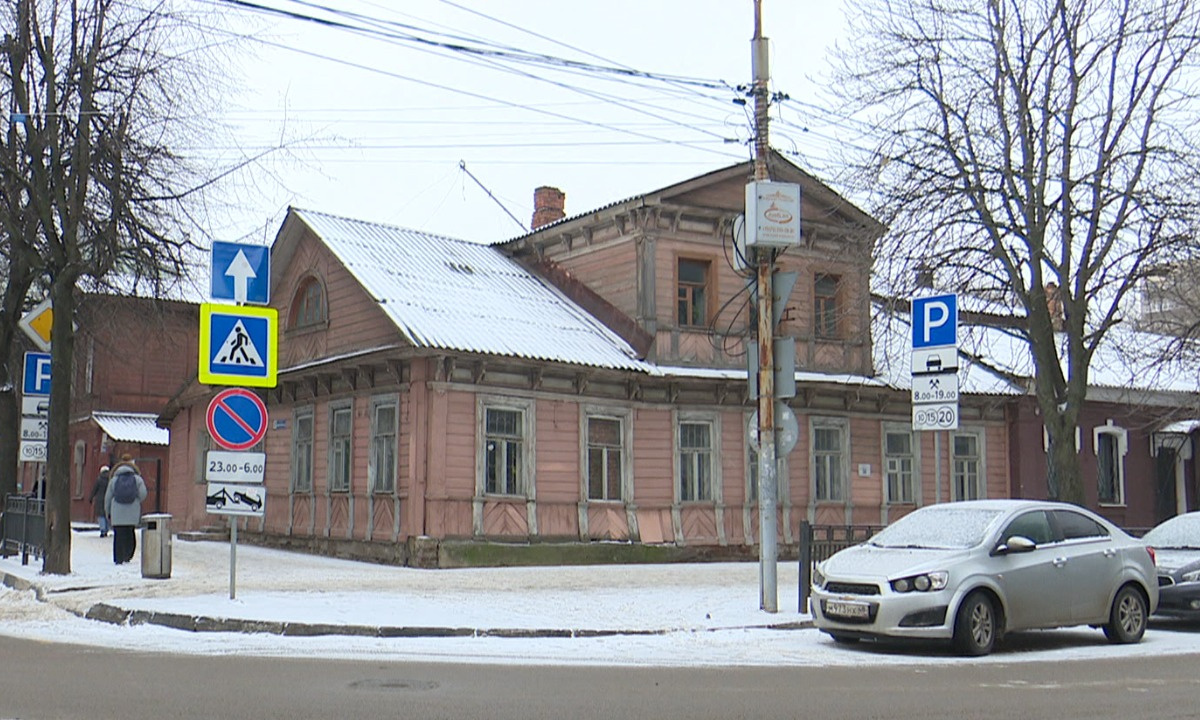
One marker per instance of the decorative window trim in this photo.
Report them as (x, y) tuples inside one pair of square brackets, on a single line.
[(1046, 439), (298, 297), (1122, 446), (334, 409), (294, 480), (713, 420), (625, 417), (526, 407), (842, 425), (374, 486), (710, 290), (894, 427), (980, 436)]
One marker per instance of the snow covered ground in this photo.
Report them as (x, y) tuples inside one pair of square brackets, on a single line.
[(690, 615)]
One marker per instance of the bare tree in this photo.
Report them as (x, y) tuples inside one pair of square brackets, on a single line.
[(1039, 153), (99, 91)]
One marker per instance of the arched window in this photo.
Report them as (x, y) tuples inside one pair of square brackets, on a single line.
[(308, 304)]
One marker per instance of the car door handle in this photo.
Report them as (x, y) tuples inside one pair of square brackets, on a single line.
[(1059, 561), (1110, 553)]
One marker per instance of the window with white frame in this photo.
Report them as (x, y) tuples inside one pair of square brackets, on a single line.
[(605, 454), (381, 466), (828, 443), (504, 443), (341, 453), (899, 462), (302, 451), (1110, 443), (695, 453), (967, 466)]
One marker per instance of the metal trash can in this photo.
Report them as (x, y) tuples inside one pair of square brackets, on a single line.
[(156, 546)]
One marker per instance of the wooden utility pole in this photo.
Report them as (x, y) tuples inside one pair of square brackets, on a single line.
[(768, 552)]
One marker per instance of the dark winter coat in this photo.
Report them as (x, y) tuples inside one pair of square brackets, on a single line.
[(99, 490)]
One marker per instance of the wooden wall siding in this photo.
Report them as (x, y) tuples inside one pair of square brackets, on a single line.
[(449, 518), (385, 518), (338, 516), (502, 518), (355, 320), (302, 520), (607, 521), (608, 268), (559, 476), (698, 525), (830, 514), (558, 520), (656, 526), (865, 439), (458, 445), (653, 459)]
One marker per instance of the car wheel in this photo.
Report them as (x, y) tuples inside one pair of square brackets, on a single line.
[(1127, 619), (975, 625), (843, 639)]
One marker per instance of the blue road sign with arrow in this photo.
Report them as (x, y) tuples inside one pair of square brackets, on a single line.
[(241, 273)]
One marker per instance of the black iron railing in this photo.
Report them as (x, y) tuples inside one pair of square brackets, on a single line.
[(819, 542), (22, 527)]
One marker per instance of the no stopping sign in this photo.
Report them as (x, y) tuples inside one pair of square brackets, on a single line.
[(237, 419)]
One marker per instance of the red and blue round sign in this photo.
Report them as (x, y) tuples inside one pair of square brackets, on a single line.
[(237, 419)]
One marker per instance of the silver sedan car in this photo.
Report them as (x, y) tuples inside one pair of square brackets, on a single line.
[(970, 571)]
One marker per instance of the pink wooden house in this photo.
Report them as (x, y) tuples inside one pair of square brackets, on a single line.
[(575, 393)]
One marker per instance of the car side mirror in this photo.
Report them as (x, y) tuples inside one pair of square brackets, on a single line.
[(1016, 544)]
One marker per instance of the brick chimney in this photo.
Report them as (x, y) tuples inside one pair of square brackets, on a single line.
[(548, 204)]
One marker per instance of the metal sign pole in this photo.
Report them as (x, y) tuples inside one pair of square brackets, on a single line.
[(233, 558)]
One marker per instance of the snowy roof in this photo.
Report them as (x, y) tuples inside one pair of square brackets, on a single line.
[(802, 376), (132, 427), (456, 295)]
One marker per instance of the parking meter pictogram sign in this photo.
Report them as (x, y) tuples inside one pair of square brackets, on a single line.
[(237, 419)]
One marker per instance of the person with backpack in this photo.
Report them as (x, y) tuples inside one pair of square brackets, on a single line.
[(123, 505), (99, 492)]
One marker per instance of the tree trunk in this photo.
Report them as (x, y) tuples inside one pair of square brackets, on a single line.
[(57, 560), (1062, 460)]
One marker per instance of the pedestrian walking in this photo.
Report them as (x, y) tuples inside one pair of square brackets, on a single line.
[(123, 505), (99, 491)]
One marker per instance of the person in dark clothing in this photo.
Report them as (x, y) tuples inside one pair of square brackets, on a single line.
[(125, 516), (97, 497)]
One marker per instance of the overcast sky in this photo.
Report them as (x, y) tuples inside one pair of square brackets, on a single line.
[(378, 126)]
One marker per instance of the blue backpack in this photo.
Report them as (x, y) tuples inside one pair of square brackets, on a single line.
[(125, 488)]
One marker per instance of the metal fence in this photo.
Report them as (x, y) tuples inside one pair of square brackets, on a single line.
[(819, 542), (22, 527)]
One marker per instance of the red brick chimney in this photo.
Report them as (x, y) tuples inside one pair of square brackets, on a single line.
[(548, 204)]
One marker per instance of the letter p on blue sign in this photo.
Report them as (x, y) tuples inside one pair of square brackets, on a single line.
[(935, 321)]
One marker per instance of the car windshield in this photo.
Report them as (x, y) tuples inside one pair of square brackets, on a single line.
[(1182, 531), (937, 527)]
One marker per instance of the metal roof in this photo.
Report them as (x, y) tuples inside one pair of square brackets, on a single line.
[(456, 295), (132, 427)]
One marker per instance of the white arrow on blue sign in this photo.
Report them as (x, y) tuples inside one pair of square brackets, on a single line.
[(935, 321), (241, 272)]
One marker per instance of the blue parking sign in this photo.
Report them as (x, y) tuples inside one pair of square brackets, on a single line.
[(37, 373), (935, 321)]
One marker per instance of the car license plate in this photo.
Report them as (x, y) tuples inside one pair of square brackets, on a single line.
[(847, 609)]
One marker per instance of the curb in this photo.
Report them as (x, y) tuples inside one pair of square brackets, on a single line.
[(104, 612)]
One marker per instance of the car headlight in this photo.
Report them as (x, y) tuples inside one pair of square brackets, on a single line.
[(926, 582), (818, 578), (1192, 576)]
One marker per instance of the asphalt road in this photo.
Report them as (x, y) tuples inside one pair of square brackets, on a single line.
[(43, 681)]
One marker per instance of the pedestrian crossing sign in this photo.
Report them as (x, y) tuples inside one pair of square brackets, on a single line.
[(238, 345)]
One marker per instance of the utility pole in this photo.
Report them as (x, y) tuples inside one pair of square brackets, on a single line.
[(765, 255)]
